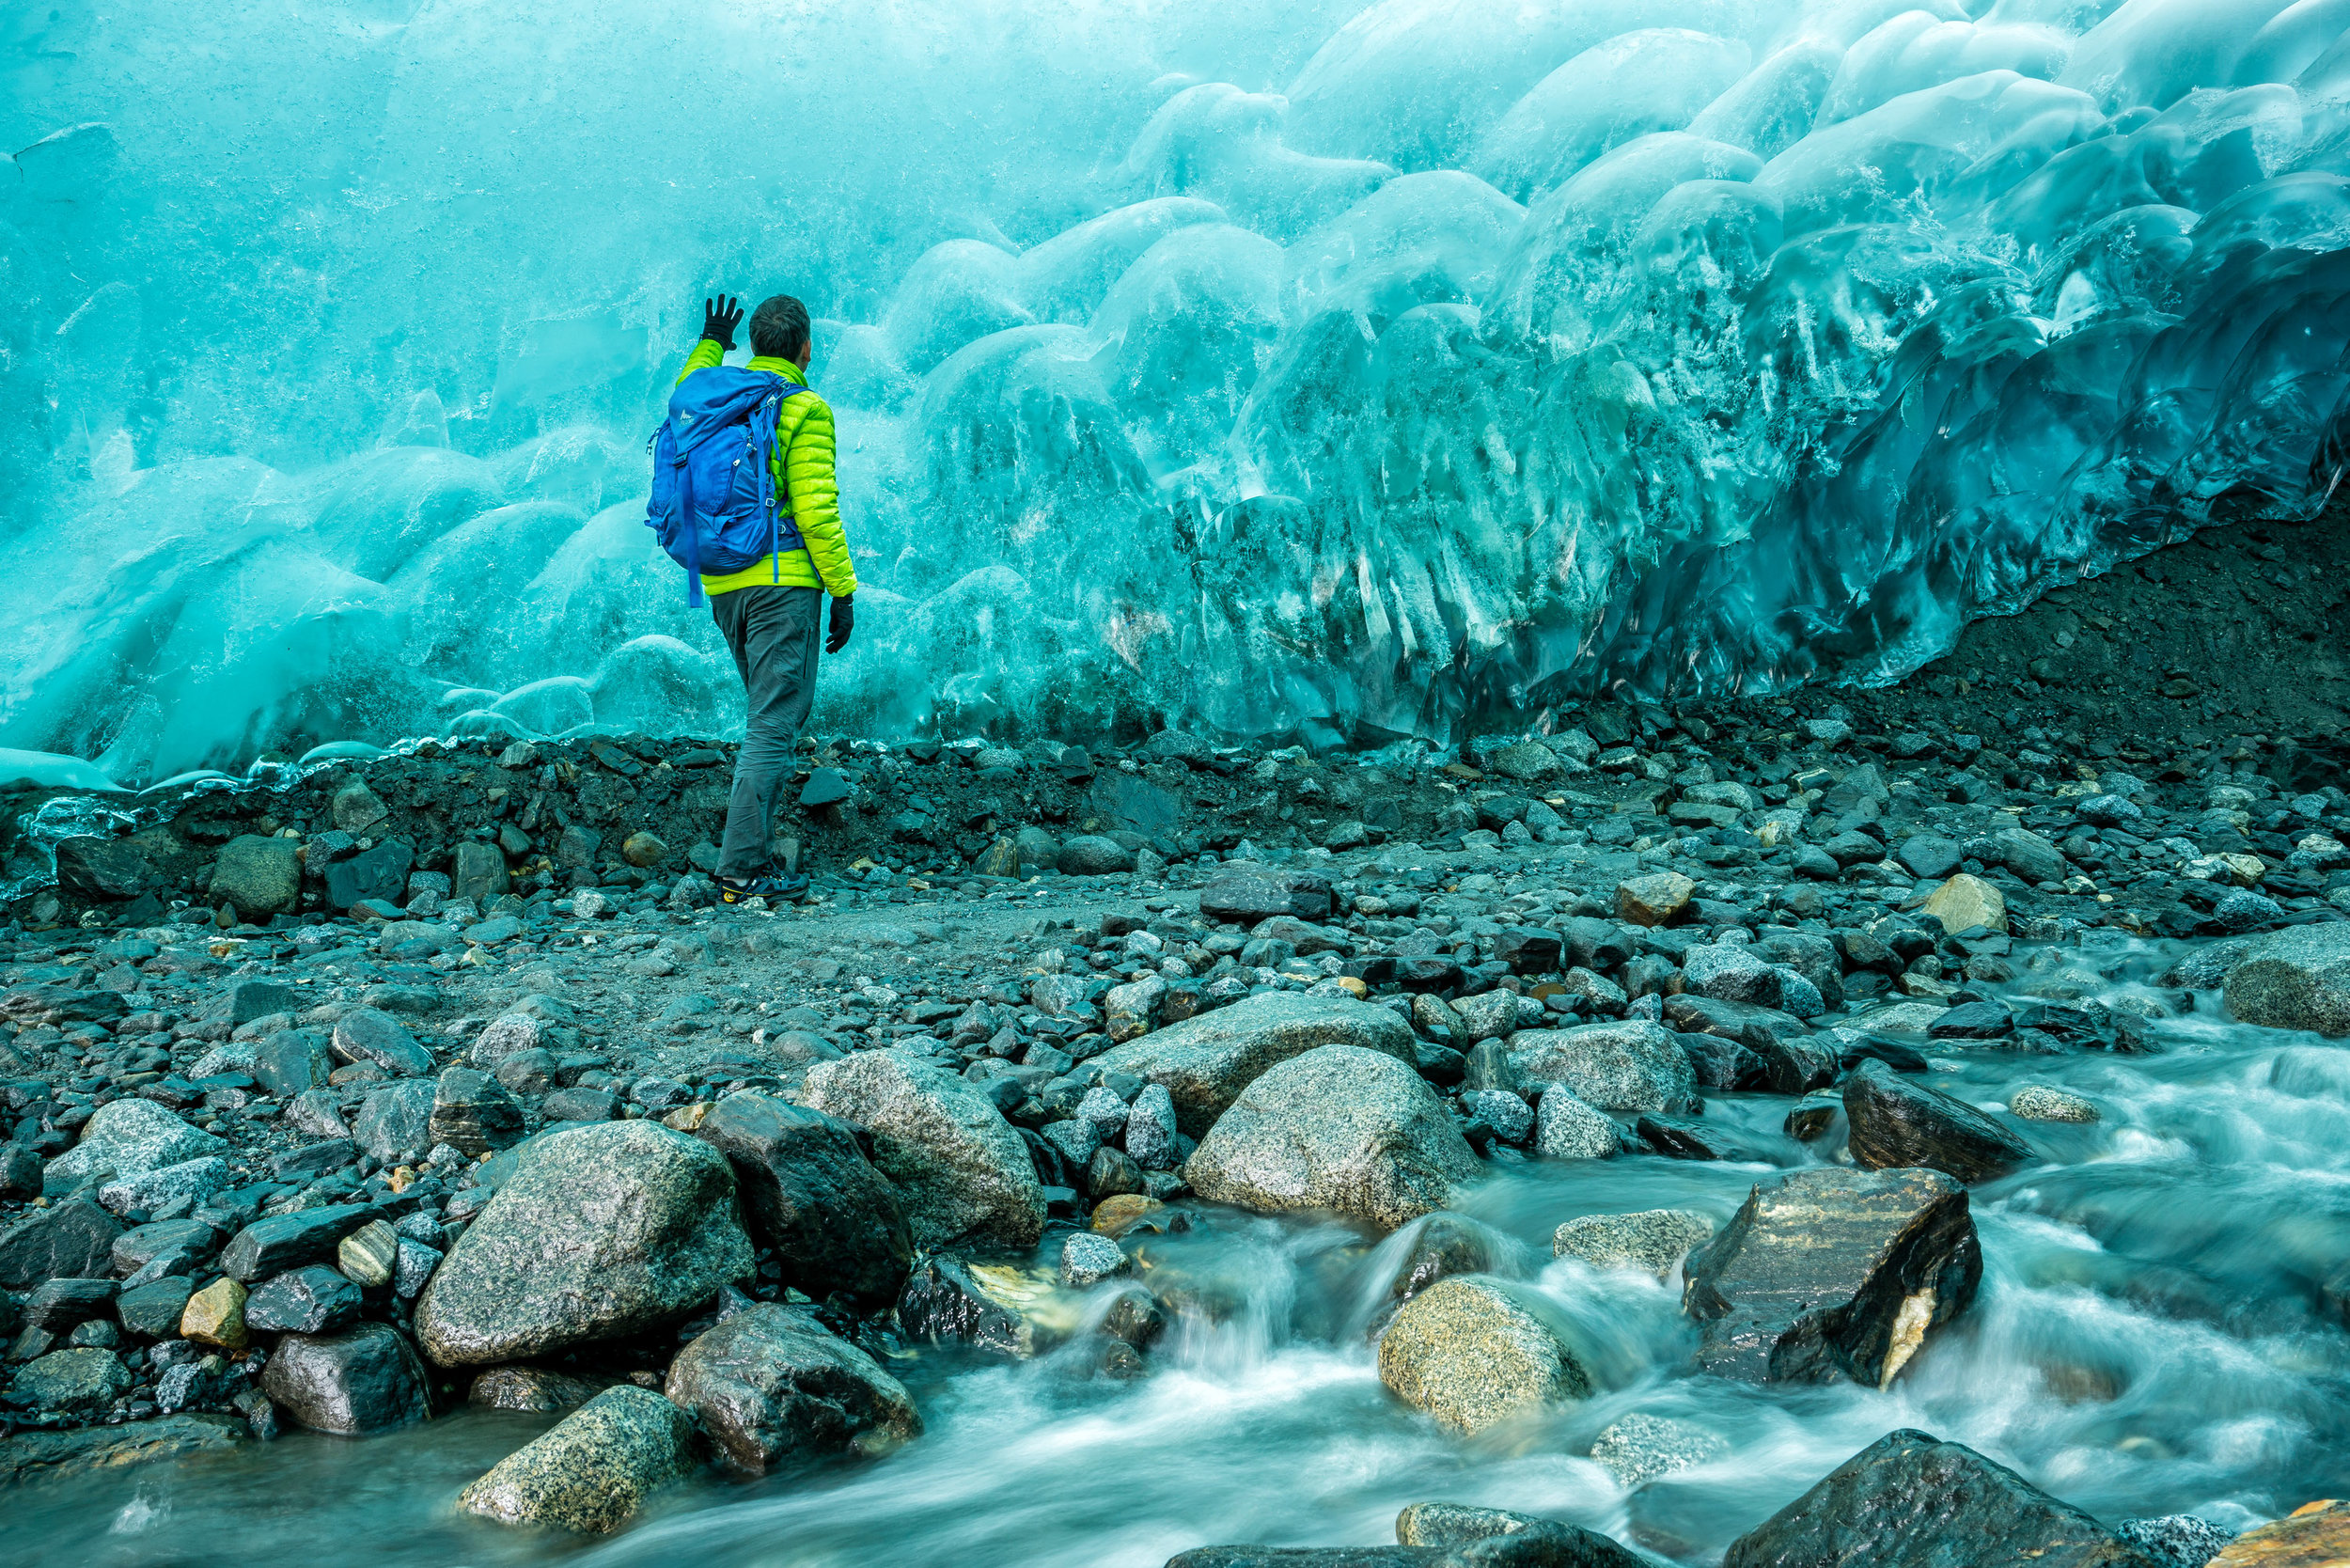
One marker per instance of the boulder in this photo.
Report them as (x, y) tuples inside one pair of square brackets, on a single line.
[(353, 1384), (1827, 1274), (313, 1300), (215, 1316), (131, 1137), (80, 1381), (2295, 979), (293, 1062), (270, 1246), (1473, 1350), (1639, 1448), (1896, 1122), (1205, 1062), (2029, 855), (770, 1386), (1728, 972), (1964, 901), (1653, 1241), (2316, 1535), (594, 1470), (257, 877), (1089, 854), (1246, 898), (70, 1240), (1340, 1128), (834, 1221), (946, 1304), (1908, 1501), (531, 1389), (601, 1231), (1629, 1065), (959, 1168)]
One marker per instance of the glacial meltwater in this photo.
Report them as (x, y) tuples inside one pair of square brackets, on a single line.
[(2159, 1331)]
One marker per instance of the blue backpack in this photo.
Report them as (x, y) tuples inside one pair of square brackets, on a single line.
[(714, 506)]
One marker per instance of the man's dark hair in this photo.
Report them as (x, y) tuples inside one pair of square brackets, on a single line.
[(779, 327)]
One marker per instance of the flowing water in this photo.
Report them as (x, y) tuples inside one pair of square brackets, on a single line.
[(2152, 1336)]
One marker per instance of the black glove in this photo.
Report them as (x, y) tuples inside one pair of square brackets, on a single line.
[(720, 317), (843, 623)]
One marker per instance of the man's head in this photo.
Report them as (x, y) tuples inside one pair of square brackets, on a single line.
[(779, 330)]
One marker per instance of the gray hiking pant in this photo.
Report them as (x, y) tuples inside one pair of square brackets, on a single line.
[(773, 634)]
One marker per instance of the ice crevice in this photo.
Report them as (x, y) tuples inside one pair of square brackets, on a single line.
[(1345, 374)]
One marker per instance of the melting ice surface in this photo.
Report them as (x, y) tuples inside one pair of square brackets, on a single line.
[(1302, 368), (2159, 1331)]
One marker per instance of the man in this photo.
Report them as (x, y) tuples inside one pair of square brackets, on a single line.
[(768, 612)]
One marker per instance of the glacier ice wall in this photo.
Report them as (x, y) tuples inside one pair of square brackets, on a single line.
[(1310, 370)]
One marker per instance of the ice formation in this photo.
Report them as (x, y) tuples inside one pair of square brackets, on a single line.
[(1259, 368)]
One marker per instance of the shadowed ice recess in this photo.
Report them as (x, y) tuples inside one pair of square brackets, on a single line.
[(1264, 370)]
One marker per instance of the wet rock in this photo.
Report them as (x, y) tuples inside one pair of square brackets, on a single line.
[(1829, 1274), (313, 1300), (834, 1221), (595, 1469), (1135, 1317), (769, 1386), (531, 1389), (32, 1454), (601, 1231), (2296, 979), (2182, 1541), (292, 1062), (1973, 1021), (1473, 1351), (1250, 897), (369, 1254), (257, 877), (215, 1316), (1726, 971), (2316, 1535), (1340, 1128), (77, 1382), (1566, 1128), (1908, 1501), (1896, 1122), (1087, 1258), (1510, 1118), (1964, 903), (1631, 1065), (396, 1121), (1440, 1524), (2029, 857), (354, 1384), (131, 1138), (1656, 900), (1639, 1449), (153, 1310), (473, 1113), (270, 1247), (2046, 1103), (1653, 1241), (364, 1034), (945, 1304), (1205, 1062), (961, 1171), (1439, 1247)]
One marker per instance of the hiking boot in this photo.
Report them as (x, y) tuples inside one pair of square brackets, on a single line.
[(775, 887)]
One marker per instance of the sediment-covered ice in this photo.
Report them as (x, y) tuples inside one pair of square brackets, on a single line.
[(1319, 369)]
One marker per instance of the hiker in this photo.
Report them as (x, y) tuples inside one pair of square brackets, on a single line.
[(762, 539)]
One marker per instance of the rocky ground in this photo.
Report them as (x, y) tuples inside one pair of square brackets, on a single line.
[(362, 1088)]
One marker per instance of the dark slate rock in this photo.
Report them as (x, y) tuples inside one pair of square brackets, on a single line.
[(314, 1160), (1930, 855), (74, 1238), (273, 1245), (190, 1239), (291, 1062), (1247, 898), (381, 872), (1593, 944), (246, 999), (153, 1310), (313, 1300), (35, 1454), (835, 1222), (1896, 1123), (1688, 1137), (57, 1305), (1908, 1501), (580, 1105), (364, 1034), (944, 1305), (770, 1387), (473, 1113), (1129, 801), (354, 1384), (1826, 1273), (1973, 1021), (825, 787), (1528, 949)]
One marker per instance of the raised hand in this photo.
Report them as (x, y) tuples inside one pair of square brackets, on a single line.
[(720, 317)]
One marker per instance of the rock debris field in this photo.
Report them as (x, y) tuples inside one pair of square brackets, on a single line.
[(357, 1094)]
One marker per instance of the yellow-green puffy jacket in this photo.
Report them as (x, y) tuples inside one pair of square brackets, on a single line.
[(804, 470)]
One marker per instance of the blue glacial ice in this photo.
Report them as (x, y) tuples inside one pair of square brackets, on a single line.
[(1306, 370)]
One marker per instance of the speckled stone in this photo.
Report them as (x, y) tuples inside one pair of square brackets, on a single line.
[(594, 1470), (1653, 1240), (1471, 1352)]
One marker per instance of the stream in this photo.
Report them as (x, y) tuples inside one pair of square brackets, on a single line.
[(2152, 1336)]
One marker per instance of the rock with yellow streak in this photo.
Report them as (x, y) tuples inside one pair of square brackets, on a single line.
[(1965, 901), (216, 1316)]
